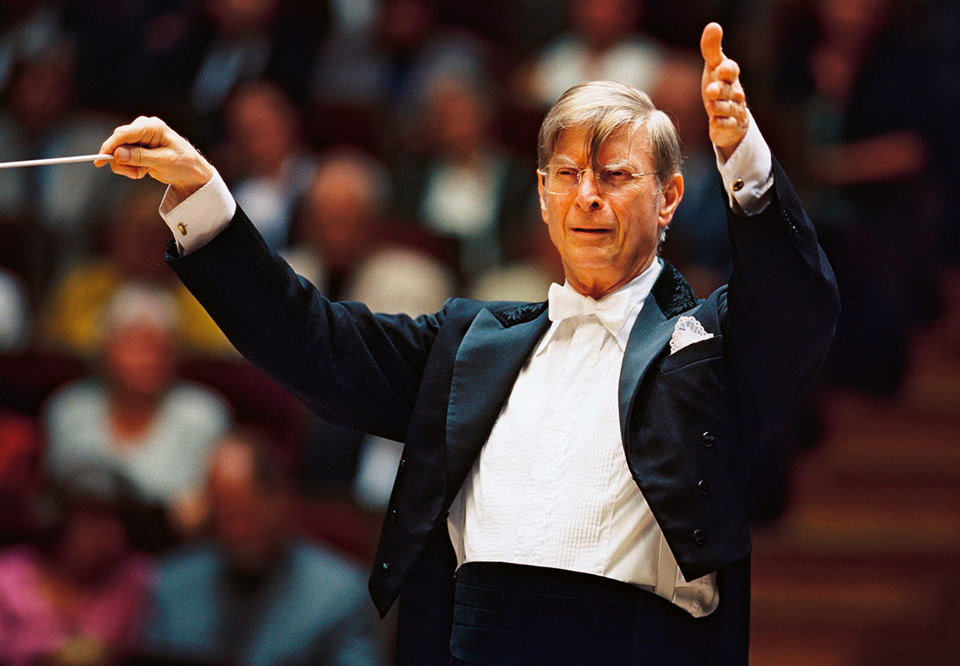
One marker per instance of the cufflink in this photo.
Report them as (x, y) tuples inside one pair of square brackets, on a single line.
[(182, 228), (738, 185)]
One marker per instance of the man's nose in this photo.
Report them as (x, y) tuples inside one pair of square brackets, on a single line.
[(588, 191)]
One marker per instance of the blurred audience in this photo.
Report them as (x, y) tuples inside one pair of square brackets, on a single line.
[(79, 596), (133, 415), (135, 237), (39, 120), (867, 158), (254, 593), (443, 94)]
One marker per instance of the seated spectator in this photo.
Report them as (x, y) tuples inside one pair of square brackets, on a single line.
[(264, 159), (464, 185), (343, 241), (242, 40), (59, 206), (135, 237), (602, 43), (254, 594), (79, 597), (133, 415), (388, 54)]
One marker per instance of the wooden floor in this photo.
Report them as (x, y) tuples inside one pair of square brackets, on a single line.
[(864, 568)]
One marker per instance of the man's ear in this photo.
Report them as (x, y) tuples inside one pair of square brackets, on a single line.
[(670, 197), (541, 192)]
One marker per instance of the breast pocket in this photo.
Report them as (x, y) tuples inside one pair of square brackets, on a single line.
[(705, 350)]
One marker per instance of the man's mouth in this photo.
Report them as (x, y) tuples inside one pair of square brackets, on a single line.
[(590, 230)]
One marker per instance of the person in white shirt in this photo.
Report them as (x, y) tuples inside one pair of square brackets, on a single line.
[(580, 463)]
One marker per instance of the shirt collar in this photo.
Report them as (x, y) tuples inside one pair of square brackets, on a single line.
[(636, 290)]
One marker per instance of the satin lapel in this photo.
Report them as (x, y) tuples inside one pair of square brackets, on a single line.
[(488, 361), (650, 333)]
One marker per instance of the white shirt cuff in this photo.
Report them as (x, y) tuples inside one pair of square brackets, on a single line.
[(748, 173), (195, 221)]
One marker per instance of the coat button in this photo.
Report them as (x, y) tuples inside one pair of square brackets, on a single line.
[(704, 487), (403, 463), (708, 438), (394, 515), (385, 569), (182, 228), (738, 184), (699, 537)]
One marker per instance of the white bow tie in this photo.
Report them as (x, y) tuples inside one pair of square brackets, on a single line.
[(612, 310)]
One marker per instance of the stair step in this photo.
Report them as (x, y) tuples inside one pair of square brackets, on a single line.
[(866, 598), (860, 519), (804, 646)]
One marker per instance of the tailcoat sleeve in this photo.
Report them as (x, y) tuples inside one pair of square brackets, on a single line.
[(350, 366)]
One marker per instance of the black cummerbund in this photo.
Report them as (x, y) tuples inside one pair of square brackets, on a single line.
[(518, 614)]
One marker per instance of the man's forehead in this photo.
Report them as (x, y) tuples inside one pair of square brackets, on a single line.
[(629, 143)]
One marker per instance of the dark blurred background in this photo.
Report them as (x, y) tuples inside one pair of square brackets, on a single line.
[(388, 149)]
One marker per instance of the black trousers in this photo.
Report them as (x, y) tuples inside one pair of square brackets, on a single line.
[(515, 614)]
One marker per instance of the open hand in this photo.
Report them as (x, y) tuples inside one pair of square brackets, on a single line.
[(148, 147), (722, 93)]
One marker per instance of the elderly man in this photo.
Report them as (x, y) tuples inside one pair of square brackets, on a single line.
[(580, 463), (254, 593)]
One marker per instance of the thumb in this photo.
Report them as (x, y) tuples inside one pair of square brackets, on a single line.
[(710, 42), (141, 156)]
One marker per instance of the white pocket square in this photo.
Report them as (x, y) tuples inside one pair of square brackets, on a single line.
[(687, 331)]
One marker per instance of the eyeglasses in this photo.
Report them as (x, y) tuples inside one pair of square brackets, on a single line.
[(561, 179)]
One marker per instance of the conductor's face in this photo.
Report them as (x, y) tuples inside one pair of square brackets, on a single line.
[(605, 225)]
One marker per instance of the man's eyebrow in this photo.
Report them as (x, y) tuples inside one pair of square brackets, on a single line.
[(565, 159), (618, 164)]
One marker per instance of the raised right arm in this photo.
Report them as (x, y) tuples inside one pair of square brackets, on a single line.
[(348, 365)]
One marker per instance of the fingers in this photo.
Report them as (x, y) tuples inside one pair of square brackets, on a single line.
[(717, 91), (148, 147), (144, 131), (710, 45)]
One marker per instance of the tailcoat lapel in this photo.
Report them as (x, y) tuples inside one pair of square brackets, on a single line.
[(670, 296), (490, 356)]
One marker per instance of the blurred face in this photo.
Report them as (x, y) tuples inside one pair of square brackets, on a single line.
[(247, 520), (603, 22), (140, 360), (263, 129), (458, 120), (605, 241), (339, 219)]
